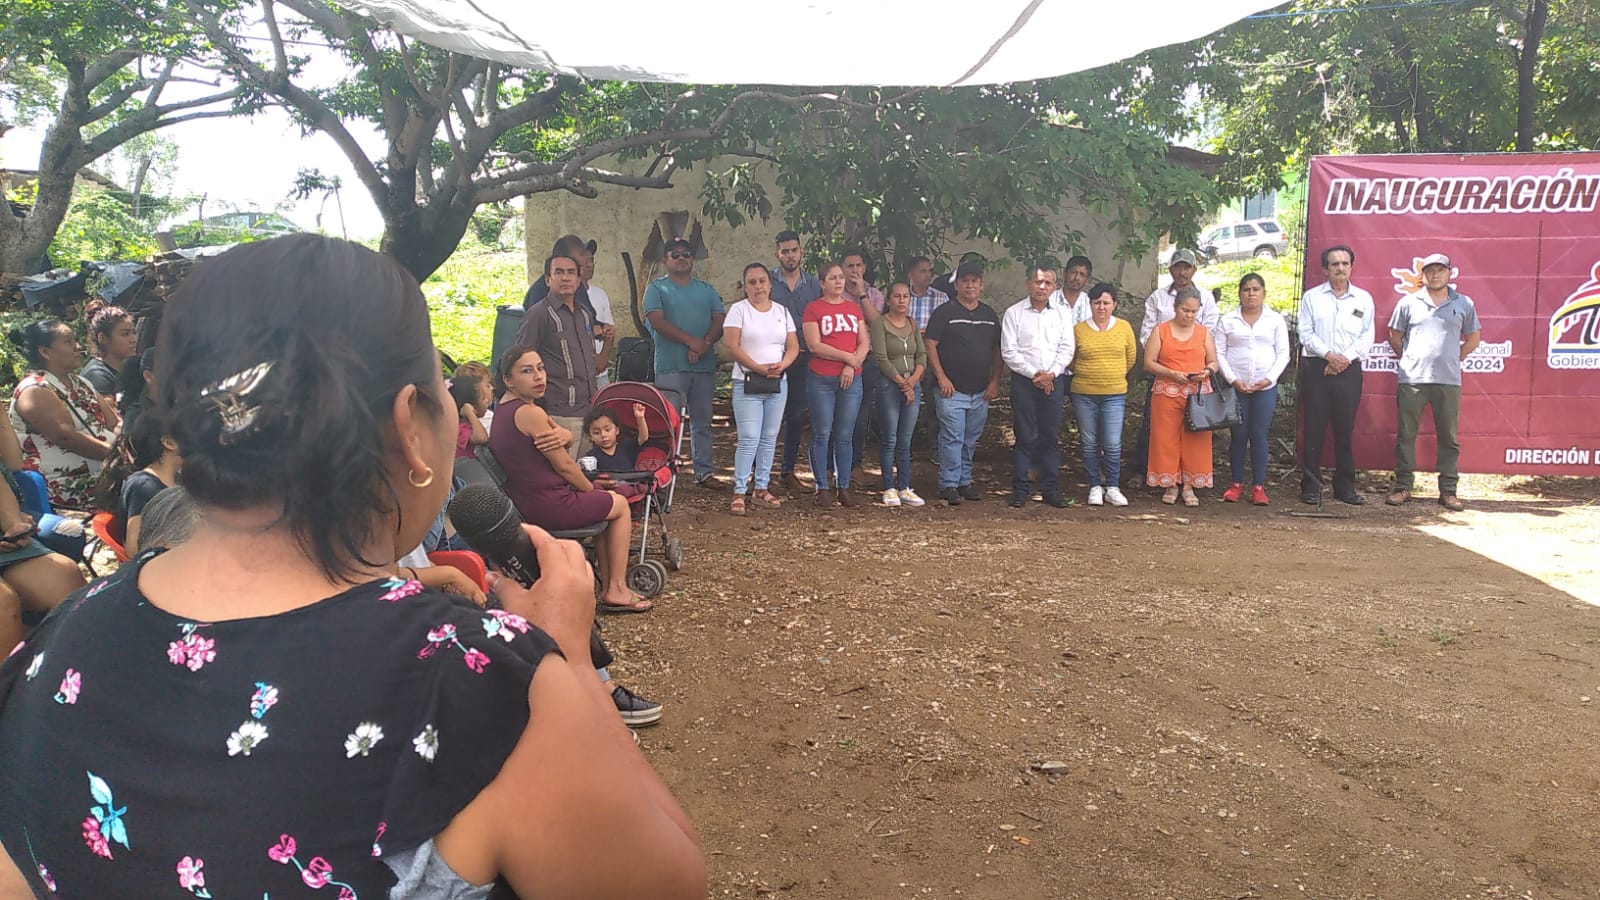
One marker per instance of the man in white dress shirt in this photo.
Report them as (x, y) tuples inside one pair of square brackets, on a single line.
[(1036, 344), (1336, 330), (1071, 297)]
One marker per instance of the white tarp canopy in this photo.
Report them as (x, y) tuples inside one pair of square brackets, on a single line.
[(809, 42)]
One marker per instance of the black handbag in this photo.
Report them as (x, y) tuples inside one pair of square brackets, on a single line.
[(761, 384), (1217, 409)]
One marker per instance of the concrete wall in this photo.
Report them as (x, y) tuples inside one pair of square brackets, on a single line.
[(621, 219)]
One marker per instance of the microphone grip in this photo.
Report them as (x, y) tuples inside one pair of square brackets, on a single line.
[(519, 562), (517, 559)]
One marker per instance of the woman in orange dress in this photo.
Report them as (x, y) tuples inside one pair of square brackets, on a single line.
[(1181, 356)]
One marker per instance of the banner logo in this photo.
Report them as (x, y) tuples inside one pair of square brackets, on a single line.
[(1575, 327)]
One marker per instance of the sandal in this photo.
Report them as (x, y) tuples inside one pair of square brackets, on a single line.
[(639, 605), (1170, 497), (765, 498), (737, 506), (1189, 499)]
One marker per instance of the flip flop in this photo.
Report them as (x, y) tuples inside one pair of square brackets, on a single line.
[(639, 605), (1170, 497), (767, 500), (1190, 500)]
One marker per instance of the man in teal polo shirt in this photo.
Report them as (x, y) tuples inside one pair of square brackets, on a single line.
[(1432, 331), (685, 315)]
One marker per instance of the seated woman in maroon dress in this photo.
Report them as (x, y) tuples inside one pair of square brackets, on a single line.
[(547, 486)]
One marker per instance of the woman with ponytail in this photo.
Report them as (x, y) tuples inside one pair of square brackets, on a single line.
[(112, 342)]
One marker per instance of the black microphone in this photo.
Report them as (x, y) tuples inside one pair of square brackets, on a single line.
[(491, 524)]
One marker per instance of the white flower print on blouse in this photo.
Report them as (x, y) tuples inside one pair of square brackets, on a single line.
[(247, 736), (362, 740), (33, 667), (245, 739), (427, 742)]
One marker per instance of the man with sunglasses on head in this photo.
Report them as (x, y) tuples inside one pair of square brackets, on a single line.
[(794, 290), (684, 315)]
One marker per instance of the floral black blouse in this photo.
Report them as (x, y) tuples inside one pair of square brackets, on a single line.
[(146, 755)]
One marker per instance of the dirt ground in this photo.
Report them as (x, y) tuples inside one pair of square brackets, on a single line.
[(1403, 703)]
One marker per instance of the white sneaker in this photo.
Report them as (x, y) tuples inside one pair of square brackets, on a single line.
[(910, 498), (1097, 496), (891, 498), (1114, 495)]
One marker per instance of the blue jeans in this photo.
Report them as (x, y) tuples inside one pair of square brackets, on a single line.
[(896, 422), (794, 413), (871, 377), (1036, 418), (1257, 410), (833, 416), (1100, 430), (961, 421), (696, 388), (757, 418)]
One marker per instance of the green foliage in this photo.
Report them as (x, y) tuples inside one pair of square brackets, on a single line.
[(906, 173), (1282, 276), (1347, 77), (464, 293)]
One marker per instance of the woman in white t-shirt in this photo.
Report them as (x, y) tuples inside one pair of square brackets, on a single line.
[(760, 336)]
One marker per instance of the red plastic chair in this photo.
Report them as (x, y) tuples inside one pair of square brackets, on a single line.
[(112, 532), (471, 564)]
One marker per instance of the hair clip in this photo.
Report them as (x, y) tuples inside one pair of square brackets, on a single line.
[(229, 395)]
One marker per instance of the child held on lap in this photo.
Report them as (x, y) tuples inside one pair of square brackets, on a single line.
[(614, 452)]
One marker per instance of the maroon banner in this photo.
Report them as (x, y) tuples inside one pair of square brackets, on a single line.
[(1523, 234)]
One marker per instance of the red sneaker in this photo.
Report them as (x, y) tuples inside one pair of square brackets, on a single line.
[(1233, 493), (1258, 495)]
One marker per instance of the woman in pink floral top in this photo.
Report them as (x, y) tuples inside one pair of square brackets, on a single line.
[(264, 710)]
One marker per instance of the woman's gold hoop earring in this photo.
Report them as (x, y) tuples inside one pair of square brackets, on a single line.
[(411, 476)]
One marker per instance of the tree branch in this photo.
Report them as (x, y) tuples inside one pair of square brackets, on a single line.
[(280, 54)]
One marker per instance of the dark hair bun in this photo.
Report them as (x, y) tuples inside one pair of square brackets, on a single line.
[(343, 329)]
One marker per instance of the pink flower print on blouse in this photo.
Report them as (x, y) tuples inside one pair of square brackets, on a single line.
[(192, 650), (377, 848), (283, 850), (445, 636), (99, 586), (191, 876), (505, 625), (399, 589), (17, 649), (265, 697), (104, 824), (317, 874), (71, 683), (44, 876)]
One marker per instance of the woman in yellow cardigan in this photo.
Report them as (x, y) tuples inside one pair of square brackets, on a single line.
[(1106, 351)]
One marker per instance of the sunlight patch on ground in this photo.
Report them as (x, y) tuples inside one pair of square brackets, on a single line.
[(1540, 543)]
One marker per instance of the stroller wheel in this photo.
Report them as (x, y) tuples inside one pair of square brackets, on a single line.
[(674, 554), (647, 578)]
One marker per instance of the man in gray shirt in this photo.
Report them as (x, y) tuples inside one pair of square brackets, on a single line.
[(563, 332), (1432, 331)]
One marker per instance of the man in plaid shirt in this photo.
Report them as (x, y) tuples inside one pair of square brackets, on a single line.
[(925, 298)]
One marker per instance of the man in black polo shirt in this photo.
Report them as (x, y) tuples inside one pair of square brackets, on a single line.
[(963, 340)]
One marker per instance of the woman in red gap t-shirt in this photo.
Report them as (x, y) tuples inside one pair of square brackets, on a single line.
[(837, 335)]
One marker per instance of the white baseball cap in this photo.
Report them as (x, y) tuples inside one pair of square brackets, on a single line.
[(1435, 259)]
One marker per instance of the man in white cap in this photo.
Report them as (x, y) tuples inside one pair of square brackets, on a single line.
[(1160, 307), (1432, 331)]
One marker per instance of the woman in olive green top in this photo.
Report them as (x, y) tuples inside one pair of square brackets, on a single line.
[(897, 347)]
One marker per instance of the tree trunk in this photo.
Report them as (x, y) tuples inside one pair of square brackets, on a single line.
[(422, 239), (138, 182), (24, 243), (1527, 64)]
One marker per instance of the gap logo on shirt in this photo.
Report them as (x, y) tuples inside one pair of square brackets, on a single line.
[(836, 323)]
